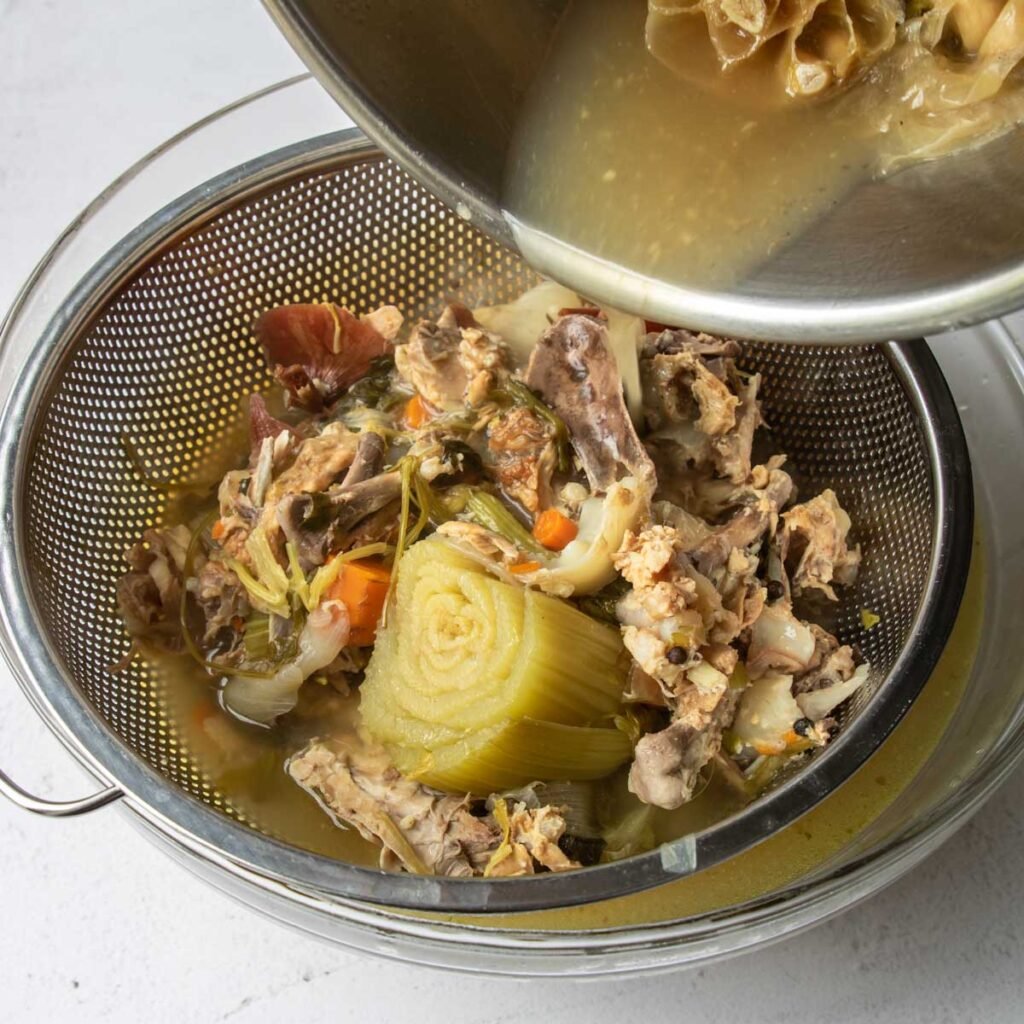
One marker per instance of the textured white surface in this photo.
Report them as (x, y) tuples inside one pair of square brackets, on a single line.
[(99, 926)]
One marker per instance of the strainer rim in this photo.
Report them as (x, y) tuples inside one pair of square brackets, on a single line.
[(156, 799)]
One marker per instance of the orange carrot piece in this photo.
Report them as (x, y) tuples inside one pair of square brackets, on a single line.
[(554, 530), (524, 567), (416, 412), (218, 529), (363, 588)]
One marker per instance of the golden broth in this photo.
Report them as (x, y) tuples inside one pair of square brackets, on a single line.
[(620, 157), (677, 171)]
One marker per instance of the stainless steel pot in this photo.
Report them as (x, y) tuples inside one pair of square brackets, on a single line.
[(441, 87)]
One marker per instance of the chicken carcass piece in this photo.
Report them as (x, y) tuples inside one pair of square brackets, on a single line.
[(319, 462), (572, 368), (697, 402), (758, 505), (284, 465), (523, 448), (149, 595), (667, 764), (317, 350), (532, 841), (319, 523), (221, 597), (421, 830), (671, 607), (814, 545), (454, 362)]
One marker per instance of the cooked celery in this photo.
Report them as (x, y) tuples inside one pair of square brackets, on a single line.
[(257, 638), (508, 755), (297, 578), (489, 511), (481, 685)]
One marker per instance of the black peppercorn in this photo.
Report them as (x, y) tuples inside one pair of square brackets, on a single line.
[(802, 726), (776, 591), (676, 655)]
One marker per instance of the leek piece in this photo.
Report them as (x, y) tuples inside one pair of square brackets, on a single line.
[(585, 565), (268, 584), (505, 756), (480, 685)]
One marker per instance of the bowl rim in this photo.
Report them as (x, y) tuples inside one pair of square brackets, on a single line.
[(51, 687)]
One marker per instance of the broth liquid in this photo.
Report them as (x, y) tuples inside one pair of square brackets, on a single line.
[(623, 159)]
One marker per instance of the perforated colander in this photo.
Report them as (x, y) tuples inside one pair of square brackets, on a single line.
[(155, 346)]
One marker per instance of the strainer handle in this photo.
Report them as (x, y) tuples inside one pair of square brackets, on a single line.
[(57, 808)]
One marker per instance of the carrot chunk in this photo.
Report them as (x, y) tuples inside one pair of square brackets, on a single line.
[(554, 530), (416, 412), (524, 567), (362, 587)]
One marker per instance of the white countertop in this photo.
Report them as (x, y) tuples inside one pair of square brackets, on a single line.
[(98, 925)]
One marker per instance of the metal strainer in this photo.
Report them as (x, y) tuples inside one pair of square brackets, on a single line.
[(155, 345)]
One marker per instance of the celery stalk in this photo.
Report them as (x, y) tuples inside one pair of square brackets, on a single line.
[(480, 685)]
